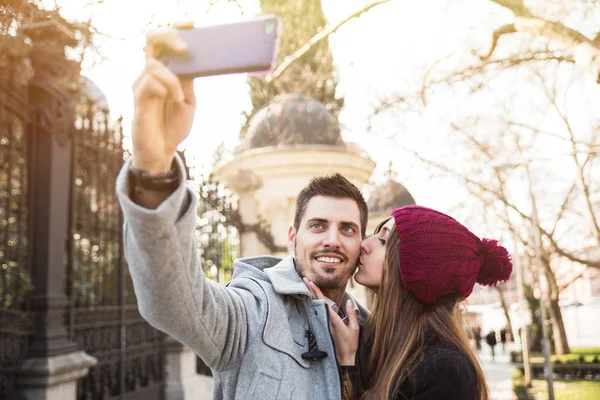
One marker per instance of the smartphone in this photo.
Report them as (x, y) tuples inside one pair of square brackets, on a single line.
[(247, 46)]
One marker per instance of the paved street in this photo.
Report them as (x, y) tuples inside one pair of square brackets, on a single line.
[(498, 372)]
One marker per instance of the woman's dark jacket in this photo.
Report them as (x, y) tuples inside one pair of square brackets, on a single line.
[(443, 373)]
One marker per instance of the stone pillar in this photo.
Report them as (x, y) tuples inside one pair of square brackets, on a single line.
[(53, 363), (245, 183), (282, 216), (54, 377), (182, 381)]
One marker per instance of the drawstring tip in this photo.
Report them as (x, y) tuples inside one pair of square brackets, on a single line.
[(314, 355)]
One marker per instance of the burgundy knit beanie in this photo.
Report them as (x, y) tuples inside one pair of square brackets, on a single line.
[(439, 256)]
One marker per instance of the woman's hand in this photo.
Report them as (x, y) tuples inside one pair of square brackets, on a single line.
[(344, 336)]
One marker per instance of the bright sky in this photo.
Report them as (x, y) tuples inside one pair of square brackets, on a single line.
[(374, 54), (382, 53)]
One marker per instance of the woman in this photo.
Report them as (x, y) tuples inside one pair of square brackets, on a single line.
[(421, 264)]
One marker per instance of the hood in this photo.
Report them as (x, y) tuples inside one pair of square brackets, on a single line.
[(281, 272)]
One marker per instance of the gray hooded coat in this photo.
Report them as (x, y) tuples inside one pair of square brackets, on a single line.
[(250, 333)]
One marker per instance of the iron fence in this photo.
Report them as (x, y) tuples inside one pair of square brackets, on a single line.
[(15, 277), (103, 315)]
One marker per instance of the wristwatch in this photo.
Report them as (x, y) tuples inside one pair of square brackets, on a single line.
[(142, 180)]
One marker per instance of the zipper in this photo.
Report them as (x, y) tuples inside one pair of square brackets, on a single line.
[(337, 362)]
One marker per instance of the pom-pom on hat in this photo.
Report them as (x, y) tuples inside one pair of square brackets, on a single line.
[(439, 256)]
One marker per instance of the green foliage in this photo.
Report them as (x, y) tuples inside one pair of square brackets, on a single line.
[(563, 390), (586, 350), (536, 326), (578, 355), (518, 386), (567, 390)]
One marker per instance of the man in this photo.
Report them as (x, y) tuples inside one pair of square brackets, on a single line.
[(503, 339), (490, 339), (262, 335)]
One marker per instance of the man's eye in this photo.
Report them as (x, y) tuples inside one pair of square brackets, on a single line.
[(348, 229), (317, 226)]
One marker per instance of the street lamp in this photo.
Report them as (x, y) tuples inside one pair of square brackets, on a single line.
[(541, 276)]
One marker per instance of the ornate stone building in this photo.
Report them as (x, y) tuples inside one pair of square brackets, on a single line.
[(288, 142), (291, 140), (387, 196)]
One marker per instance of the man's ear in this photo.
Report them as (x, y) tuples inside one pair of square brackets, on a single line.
[(292, 238)]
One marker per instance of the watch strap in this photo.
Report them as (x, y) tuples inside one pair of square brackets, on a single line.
[(142, 180)]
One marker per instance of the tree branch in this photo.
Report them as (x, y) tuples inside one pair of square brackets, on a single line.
[(537, 130), (469, 73), (503, 30), (583, 186), (466, 179), (563, 207), (569, 283), (585, 51), (516, 6), (289, 60)]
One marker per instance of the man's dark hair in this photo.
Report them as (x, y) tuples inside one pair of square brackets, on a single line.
[(335, 186)]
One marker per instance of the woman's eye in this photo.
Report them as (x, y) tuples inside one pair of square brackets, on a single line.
[(381, 240)]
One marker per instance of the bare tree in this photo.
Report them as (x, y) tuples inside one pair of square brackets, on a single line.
[(585, 51), (491, 186)]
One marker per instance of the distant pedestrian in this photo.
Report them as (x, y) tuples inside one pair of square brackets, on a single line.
[(503, 339), (490, 339), (477, 335)]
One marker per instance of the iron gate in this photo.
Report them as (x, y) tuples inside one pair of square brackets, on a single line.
[(103, 316), (15, 278)]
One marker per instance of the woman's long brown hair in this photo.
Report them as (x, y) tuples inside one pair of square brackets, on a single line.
[(397, 328)]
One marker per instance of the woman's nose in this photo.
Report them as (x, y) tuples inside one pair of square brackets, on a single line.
[(364, 246)]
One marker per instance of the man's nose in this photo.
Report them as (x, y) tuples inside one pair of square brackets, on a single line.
[(332, 239)]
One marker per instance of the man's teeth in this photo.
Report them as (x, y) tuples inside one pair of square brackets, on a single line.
[(329, 260)]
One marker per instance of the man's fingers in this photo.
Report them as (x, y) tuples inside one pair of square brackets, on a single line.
[(146, 87), (187, 85), (351, 313), (159, 43), (183, 25), (168, 79)]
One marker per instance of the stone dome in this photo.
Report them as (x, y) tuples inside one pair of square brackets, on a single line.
[(292, 119), (389, 196)]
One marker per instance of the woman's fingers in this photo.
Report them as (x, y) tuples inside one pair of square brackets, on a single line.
[(345, 337), (314, 289), (318, 294), (334, 317), (307, 283), (351, 313)]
